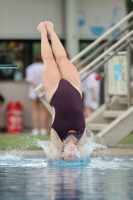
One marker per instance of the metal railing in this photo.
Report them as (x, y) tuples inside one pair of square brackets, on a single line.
[(103, 46), (106, 59), (102, 56), (97, 41)]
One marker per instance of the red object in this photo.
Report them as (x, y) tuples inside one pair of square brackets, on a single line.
[(98, 77), (14, 118), (72, 131)]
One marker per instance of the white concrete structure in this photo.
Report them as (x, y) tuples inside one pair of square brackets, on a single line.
[(19, 18)]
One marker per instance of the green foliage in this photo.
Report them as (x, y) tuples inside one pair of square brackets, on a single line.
[(29, 142), (127, 140), (21, 142)]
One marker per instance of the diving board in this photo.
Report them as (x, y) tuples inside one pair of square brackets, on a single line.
[(8, 66)]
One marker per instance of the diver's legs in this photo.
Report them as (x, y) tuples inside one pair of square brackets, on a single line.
[(51, 73), (67, 69)]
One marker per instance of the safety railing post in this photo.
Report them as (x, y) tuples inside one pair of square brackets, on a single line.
[(128, 75), (106, 95)]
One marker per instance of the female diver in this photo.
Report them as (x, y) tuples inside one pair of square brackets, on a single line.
[(62, 85)]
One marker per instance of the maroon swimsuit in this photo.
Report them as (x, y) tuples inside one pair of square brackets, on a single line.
[(69, 119)]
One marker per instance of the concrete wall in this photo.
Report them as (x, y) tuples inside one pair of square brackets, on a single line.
[(15, 91), (97, 16), (19, 18)]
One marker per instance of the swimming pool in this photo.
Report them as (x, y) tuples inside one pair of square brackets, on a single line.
[(103, 177)]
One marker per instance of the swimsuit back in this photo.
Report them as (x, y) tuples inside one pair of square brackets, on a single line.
[(69, 119)]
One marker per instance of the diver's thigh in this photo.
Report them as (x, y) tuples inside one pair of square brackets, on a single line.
[(51, 78), (69, 72)]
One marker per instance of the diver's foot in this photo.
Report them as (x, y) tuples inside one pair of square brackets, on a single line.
[(49, 27), (41, 28)]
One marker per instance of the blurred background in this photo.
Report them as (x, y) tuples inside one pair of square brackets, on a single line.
[(77, 23)]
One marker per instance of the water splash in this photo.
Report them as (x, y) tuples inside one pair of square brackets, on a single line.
[(9, 157), (45, 146), (13, 160), (19, 161), (100, 163), (89, 147), (110, 163)]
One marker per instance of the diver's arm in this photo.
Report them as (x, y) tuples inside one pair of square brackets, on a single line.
[(56, 146), (83, 139)]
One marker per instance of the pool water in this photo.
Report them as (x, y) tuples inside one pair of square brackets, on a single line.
[(99, 178)]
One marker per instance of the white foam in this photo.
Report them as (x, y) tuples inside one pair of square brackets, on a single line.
[(45, 146), (89, 147), (100, 163), (8, 157), (107, 163), (34, 165), (19, 161)]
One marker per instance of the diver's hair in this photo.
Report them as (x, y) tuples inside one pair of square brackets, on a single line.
[(76, 155)]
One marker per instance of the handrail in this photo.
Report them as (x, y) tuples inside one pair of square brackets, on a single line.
[(102, 37), (105, 60), (38, 87), (106, 52), (103, 46)]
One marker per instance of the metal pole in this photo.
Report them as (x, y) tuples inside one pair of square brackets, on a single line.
[(128, 76), (46, 104), (106, 95), (8, 66), (72, 44)]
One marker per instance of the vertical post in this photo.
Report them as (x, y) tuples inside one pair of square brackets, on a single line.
[(128, 76), (106, 95), (72, 45)]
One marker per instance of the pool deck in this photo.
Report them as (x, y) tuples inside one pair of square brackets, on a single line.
[(113, 150)]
